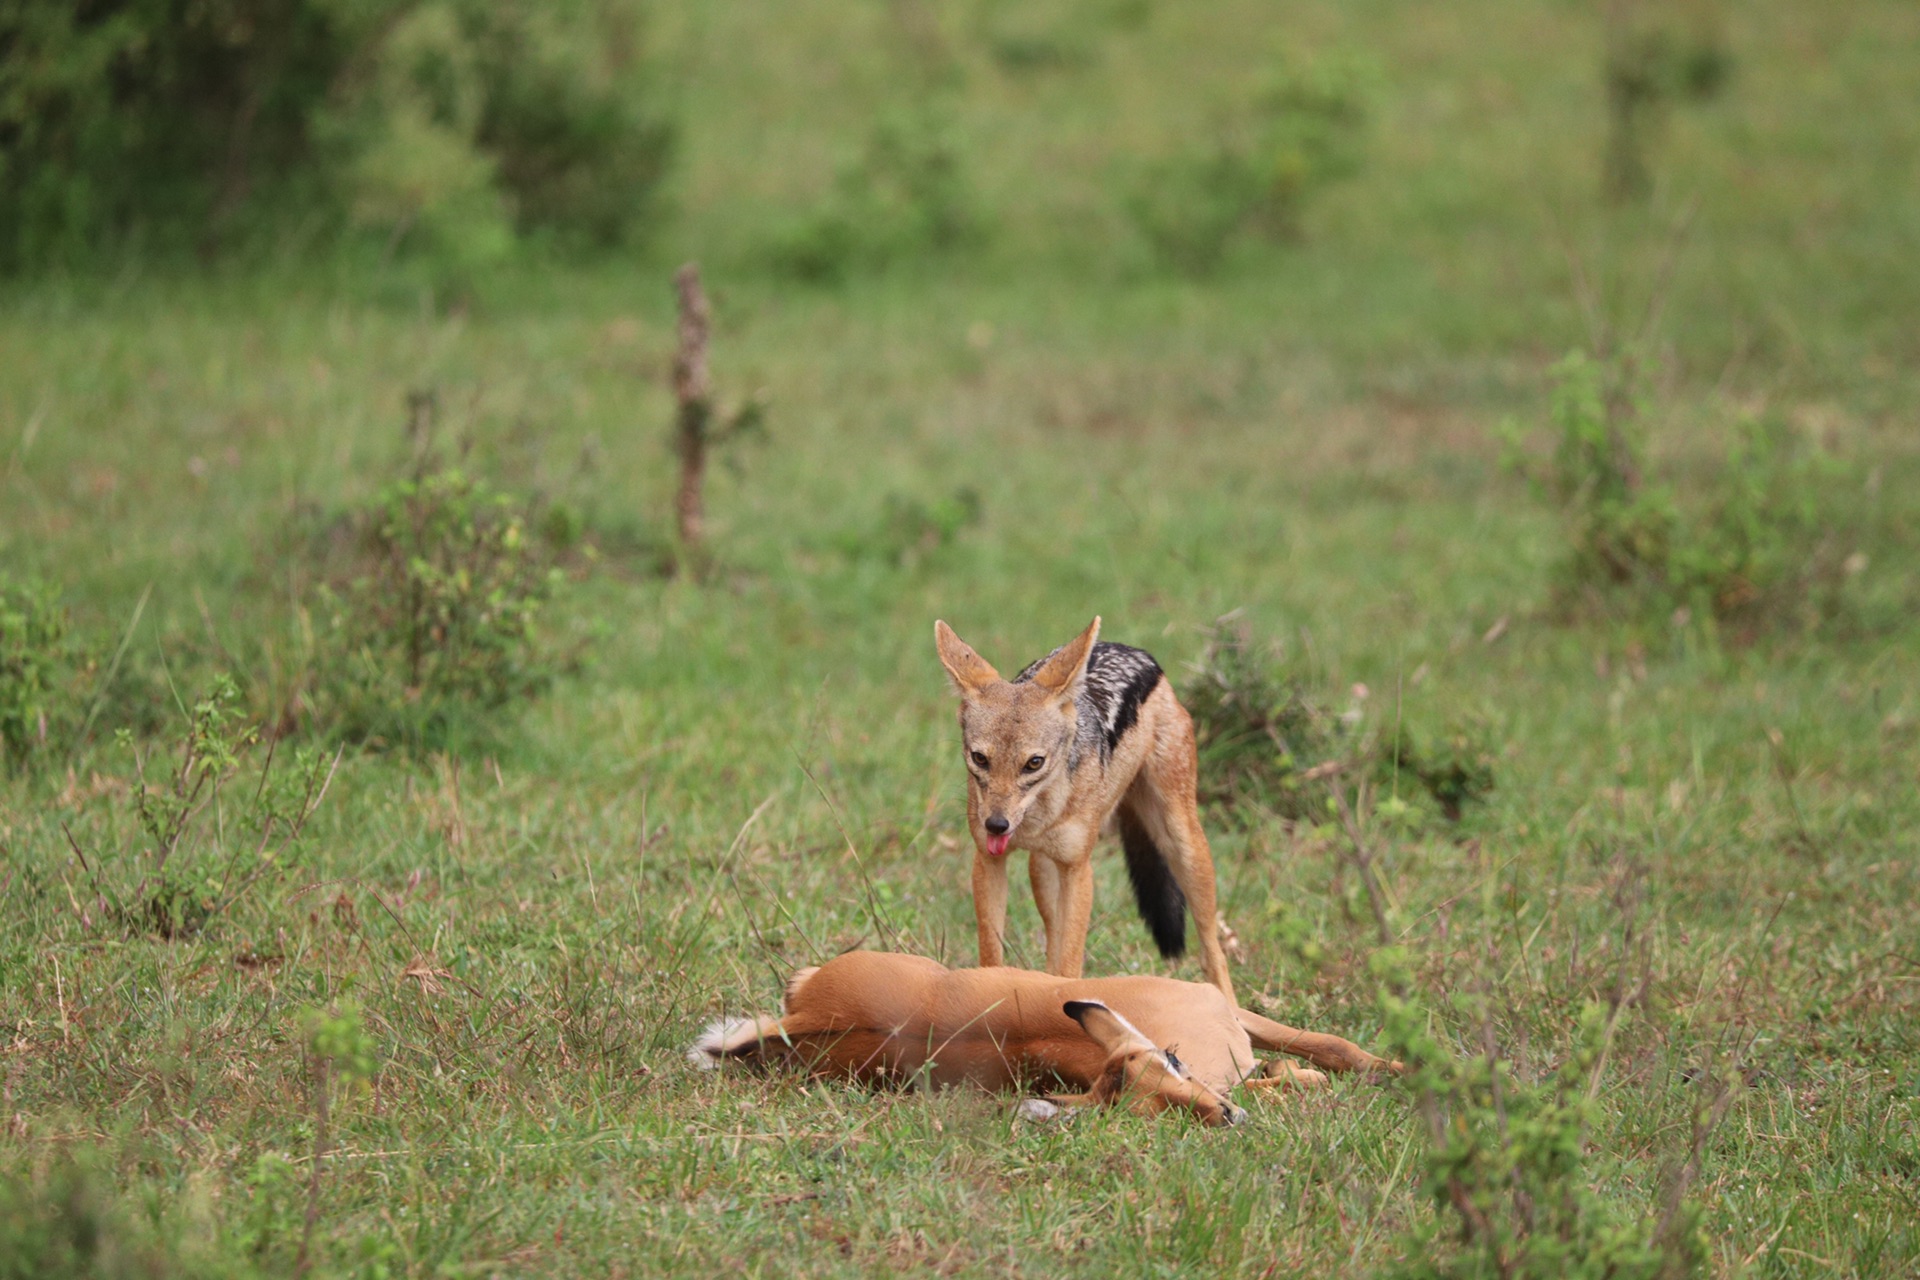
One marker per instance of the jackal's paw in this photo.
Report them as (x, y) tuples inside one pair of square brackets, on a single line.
[(1230, 942), (1037, 1110)]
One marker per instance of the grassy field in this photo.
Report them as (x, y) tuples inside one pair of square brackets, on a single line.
[(754, 770)]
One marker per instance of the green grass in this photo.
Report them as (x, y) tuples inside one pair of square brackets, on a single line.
[(756, 771)]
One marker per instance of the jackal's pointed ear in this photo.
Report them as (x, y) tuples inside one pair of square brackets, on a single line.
[(1108, 1029), (1063, 669), (970, 672)]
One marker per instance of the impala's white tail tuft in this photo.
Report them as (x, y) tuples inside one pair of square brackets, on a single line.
[(721, 1040)]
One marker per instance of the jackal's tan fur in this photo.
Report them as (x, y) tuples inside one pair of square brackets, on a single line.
[(1050, 755)]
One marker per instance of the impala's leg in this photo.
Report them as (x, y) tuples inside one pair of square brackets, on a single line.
[(1284, 1075), (990, 907), (1328, 1052)]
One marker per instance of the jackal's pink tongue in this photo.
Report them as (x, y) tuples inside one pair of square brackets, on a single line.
[(997, 845)]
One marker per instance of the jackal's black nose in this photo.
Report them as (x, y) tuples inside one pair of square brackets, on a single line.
[(997, 825)]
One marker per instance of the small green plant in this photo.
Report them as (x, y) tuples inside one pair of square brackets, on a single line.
[(1505, 1155), (1506, 1158), (272, 1221), (338, 1050), (1302, 133), (201, 851), (1621, 527), (912, 529), (435, 612), (908, 194), (40, 669), (1773, 544)]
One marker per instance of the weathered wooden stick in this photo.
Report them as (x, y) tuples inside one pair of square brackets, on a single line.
[(692, 390)]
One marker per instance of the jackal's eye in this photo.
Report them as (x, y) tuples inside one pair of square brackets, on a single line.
[(1033, 763), (980, 759)]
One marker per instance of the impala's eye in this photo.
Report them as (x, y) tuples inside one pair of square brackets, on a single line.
[(980, 759), (1034, 762)]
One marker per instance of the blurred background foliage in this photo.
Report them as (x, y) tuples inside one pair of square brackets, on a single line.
[(455, 125), (458, 131)]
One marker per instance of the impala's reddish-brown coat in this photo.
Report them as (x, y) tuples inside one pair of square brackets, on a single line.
[(1147, 1042)]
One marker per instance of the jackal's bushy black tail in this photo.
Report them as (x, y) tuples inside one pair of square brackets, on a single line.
[(1162, 905)]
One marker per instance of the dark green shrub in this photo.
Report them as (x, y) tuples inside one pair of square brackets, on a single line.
[(1191, 207), (430, 613), (1260, 730), (1301, 134), (450, 122), (462, 122), (41, 667), (908, 194), (1452, 768)]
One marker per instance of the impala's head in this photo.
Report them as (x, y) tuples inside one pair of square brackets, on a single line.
[(1018, 735), (1142, 1076)]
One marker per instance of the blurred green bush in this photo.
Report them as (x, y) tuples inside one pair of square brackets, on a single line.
[(448, 125), (1303, 132), (909, 193), (1769, 538)]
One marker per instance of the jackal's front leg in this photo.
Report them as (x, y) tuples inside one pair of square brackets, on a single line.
[(1073, 912), (990, 907)]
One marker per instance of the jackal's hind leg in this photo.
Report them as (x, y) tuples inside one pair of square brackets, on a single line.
[(1164, 802)]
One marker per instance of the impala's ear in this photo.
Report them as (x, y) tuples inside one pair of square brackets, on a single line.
[(970, 672), (1061, 671), (1108, 1029)]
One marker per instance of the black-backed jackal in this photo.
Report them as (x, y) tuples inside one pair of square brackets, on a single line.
[(1086, 731)]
